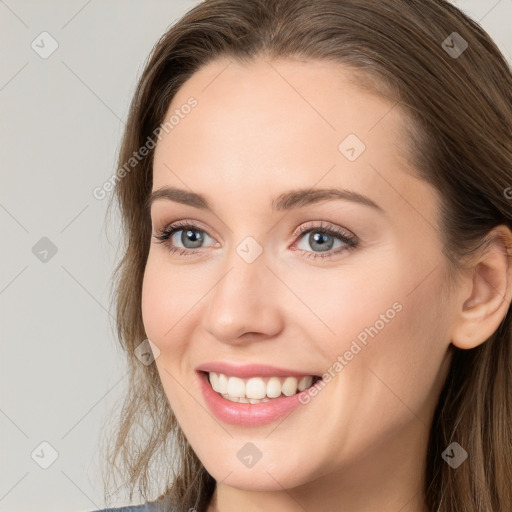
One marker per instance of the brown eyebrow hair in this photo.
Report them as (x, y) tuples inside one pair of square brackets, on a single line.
[(285, 201)]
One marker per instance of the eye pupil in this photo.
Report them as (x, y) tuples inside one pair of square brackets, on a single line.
[(322, 241), (193, 236)]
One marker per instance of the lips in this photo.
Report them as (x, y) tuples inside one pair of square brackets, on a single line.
[(256, 412), (243, 414)]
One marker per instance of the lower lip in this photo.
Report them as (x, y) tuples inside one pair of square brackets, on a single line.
[(246, 415)]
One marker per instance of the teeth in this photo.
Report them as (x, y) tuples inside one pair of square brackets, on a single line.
[(289, 386), (214, 381), (244, 400), (273, 387), (257, 389), (304, 383), (223, 383), (236, 387)]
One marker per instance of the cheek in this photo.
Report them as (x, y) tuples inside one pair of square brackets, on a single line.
[(167, 295), (346, 302), (154, 302), (403, 339), (387, 361), (168, 298), (392, 335), (391, 303)]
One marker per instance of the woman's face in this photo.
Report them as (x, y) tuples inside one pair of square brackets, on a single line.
[(358, 297)]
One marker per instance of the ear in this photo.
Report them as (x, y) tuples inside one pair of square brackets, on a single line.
[(489, 281)]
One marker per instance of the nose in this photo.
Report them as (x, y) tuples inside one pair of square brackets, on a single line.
[(244, 305)]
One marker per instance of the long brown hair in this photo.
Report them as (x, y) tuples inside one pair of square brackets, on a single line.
[(455, 85)]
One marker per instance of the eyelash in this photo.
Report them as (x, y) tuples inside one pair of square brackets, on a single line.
[(163, 236)]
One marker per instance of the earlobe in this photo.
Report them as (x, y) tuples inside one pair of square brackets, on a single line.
[(485, 307)]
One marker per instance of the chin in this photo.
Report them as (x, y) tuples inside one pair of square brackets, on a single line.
[(260, 477)]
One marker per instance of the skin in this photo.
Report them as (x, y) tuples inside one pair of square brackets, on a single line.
[(259, 130)]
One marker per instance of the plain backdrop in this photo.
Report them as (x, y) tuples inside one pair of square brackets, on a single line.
[(62, 112)]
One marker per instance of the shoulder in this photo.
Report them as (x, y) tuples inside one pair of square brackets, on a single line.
[(147, 507), (135, 508), (163, 504)]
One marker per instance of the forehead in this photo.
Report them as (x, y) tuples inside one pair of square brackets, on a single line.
[(269, 125), (260, 98)]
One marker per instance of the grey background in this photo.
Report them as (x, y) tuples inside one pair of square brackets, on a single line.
[(61, 122)]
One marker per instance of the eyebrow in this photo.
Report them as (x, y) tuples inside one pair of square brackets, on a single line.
[(286, 201)]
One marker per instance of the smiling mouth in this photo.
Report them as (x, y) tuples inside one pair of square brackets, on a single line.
[(256, 390)]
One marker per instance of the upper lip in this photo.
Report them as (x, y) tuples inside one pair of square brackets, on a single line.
[(249, 370)]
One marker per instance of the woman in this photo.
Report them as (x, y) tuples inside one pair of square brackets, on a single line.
[(315, 292)]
